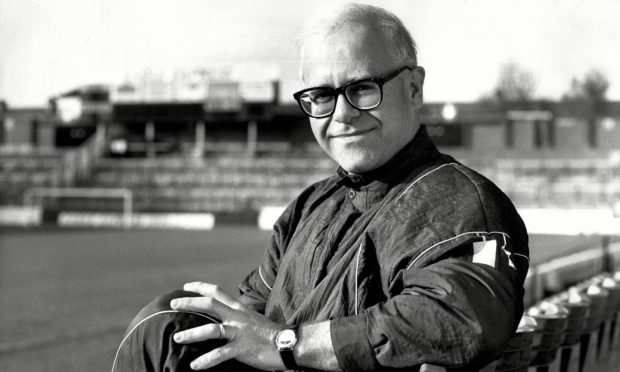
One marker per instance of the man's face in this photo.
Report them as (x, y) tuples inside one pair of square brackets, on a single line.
[(360, 141)]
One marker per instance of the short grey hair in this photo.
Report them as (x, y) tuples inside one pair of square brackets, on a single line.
[(331, 18)]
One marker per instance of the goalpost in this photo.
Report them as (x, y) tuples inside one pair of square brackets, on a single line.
[(36, 193)]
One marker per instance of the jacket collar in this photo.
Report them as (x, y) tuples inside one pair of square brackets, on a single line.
[(419, 151)]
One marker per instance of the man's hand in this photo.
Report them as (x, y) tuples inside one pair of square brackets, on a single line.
[(250, 335)]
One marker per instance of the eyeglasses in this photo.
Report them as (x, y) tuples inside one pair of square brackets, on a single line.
[(364, 95)]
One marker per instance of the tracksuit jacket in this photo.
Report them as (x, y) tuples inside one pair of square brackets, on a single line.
[(422, 260)]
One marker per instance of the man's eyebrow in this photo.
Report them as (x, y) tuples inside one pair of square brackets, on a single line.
[(354, 80), (363, 75)]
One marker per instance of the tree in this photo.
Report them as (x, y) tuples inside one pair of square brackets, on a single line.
[(514, 84), (514, 90), (589, 98), (593, 88)]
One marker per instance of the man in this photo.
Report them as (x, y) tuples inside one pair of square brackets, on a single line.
[(404, 257)]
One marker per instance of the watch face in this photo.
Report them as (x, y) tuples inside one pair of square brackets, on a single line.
[(286, 339)]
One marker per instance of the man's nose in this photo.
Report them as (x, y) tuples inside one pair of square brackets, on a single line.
[(344, 111)]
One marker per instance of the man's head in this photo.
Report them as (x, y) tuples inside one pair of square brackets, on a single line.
[(351, 43)]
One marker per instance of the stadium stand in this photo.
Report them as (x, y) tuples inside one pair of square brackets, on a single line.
[(229, 182), (213, 185), (262, 153), (23, 167), (577, 182)]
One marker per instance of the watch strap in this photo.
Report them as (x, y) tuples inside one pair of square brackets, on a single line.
[(288, 359), (287, 355)]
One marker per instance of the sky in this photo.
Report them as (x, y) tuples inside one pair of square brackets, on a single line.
[(48, 47)]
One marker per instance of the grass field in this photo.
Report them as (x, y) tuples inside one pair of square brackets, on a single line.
[(67, 295)]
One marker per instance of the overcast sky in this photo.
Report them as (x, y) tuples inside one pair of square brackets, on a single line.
[(50, 46)]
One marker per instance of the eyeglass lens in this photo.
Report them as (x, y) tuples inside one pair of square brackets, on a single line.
[(364, 95)]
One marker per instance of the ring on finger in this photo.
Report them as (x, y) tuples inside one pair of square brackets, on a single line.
[(222, 331)]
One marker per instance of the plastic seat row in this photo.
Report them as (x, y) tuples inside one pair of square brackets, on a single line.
[(219, 165), (25, 150), (193, 179), (575, 330), (28, 164), (200, 199), (35, 178)]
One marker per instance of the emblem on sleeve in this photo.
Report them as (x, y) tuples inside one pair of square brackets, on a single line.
[(485, 252)]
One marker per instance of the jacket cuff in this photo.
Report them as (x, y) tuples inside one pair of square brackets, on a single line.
[(351, 345)]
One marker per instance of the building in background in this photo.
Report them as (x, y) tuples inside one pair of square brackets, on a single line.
[(202, 112)]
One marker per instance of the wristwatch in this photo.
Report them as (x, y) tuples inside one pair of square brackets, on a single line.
[(285, 342)]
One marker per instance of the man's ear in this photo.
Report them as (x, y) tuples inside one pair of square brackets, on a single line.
[(417, 86)]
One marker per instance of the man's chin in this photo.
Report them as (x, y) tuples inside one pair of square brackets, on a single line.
[(357, 159), (358, 166)]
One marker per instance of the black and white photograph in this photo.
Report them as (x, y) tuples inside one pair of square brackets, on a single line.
[(330, 185)]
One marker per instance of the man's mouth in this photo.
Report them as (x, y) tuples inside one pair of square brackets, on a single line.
[(356, 133)]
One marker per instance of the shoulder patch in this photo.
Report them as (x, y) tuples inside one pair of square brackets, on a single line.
[(485, 252)]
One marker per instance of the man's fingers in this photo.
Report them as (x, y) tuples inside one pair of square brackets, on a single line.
[(202, 333), (207, 305), (213, 358), (212, 290)]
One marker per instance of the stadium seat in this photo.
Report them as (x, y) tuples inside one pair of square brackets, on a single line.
[(589, 343), (551, 321), (607, 329), (517, 353), (578, 310)]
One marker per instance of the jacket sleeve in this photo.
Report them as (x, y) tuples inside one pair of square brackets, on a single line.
[(256, 287), (451, 311)]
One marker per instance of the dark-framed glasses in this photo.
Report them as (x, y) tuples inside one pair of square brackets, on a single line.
[(364, 94)]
